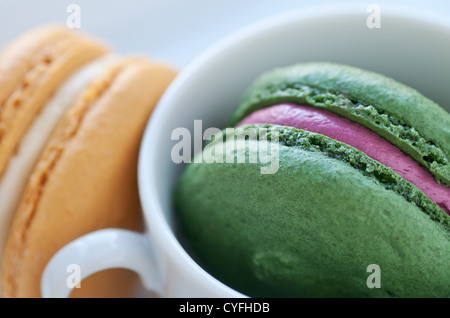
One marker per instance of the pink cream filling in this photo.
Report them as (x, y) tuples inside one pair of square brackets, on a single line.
[(344, 130)]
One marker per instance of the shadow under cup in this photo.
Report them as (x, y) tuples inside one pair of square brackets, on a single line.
[(411, 46)]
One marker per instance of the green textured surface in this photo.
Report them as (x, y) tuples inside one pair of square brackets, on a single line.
[(313, 228), (414, 123)]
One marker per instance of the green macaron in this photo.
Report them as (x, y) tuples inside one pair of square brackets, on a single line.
[(330, 213)]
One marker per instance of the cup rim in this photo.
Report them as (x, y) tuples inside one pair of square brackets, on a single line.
[(151, 205)]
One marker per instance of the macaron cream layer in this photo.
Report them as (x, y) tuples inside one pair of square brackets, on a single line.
[(321, 121), (373, 169)]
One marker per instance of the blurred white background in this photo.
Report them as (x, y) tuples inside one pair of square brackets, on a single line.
[(174, 30)]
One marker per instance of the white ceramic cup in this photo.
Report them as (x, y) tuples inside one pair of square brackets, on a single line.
[(407, 44)]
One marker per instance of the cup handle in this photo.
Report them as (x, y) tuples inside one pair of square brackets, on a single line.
[(97, 251)]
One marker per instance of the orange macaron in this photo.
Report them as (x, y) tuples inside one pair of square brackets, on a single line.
[(82, 175)]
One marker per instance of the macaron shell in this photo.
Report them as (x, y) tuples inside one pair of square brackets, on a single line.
[(86, 178), (31, 69), (309, 230), (418, 126), (21, 53)]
